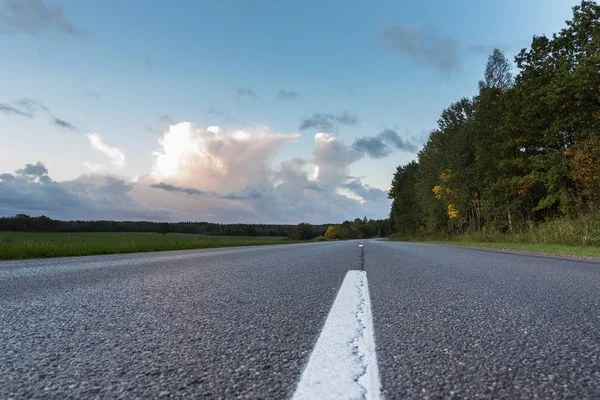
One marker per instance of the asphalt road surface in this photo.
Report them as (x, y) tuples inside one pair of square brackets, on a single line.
[(448, 322)]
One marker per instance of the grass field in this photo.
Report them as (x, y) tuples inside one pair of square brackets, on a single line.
[(22, 245)]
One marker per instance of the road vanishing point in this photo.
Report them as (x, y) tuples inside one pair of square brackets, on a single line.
[(343, 320)]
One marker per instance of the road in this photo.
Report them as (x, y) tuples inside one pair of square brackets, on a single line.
[(449, 322)]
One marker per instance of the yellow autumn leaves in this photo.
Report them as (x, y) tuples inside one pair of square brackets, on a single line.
[(443, 191)]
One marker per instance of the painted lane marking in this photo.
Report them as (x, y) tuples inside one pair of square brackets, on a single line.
[(343, 363)]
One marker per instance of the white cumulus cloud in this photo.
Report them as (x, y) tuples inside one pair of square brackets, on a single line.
[(215, 159), (115, 155)]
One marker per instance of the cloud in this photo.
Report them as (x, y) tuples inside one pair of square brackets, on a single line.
[(250, 193), (328, 122), (31, 105), (227, 174), (246, 92), (429, 48), (87, 197), (374, 147), (390, 136), (208, 174), (7, 177), (64, 124), (33, 170), (116, 156), (287, 95), (10, 110), (226, 160), (28, 108), (94, 168), (173, 188), (168, 119), (33, 17), (332, 157), (93, 95), (383, 144), (23, 107), (365, 192)]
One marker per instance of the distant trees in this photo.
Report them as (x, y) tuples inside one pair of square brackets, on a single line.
[(359, 228), (305, 231), (522, 150), (250, 230), (22, 222)]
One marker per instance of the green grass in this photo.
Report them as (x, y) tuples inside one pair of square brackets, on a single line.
[(22, 245)]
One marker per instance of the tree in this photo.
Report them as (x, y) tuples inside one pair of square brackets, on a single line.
[(498, 72), (250, 230), (405, 214), (163, 228), (332, 233), (302, 231)]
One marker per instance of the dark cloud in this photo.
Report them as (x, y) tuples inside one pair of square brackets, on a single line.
[(10, 110), (31, 105), (287, 95), (34, 170), (28, 108), (250, 193), (246, 92), (442, 53), (32, 191), (366, 192), (382, 144), (7, 177), (64, 124), (328, 122), (34, 17), (391, 137), (374, 147), (179, 189)]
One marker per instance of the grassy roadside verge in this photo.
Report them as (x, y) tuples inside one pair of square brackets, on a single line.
[(560, 250), (26, 245)]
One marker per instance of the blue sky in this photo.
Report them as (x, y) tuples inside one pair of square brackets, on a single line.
[(128, 70)]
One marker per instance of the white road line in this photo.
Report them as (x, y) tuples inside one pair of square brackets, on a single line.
[(343, 364)]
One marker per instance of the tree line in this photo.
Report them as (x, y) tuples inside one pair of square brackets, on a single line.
[(359, 228), (22, 222), (525, 149)]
